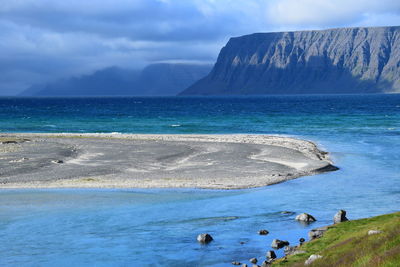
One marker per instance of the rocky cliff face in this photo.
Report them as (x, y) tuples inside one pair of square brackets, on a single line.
[(348, 60)]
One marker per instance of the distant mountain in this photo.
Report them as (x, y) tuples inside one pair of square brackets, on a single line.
[(169, 79), (347, 60), (154, 80)]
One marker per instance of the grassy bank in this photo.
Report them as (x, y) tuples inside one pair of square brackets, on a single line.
[(348, 244)]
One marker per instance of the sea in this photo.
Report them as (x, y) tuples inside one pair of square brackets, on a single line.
[(158, 227)]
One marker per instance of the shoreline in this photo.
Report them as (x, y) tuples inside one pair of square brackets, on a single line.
[(198, 161)]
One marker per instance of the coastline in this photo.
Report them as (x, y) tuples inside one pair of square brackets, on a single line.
[(92, 160)]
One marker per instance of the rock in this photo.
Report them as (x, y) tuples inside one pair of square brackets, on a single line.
[(345, 60), (204, 238), (271, 254), (305, 217), (290, 250), (266, 264), (236, 263), (312, 258), (301, 240), (244, 265), (253, 260), (317, 232), (374, 232), (263, 232), (277, 244), (57, 161), (340, 216), (9, 142)]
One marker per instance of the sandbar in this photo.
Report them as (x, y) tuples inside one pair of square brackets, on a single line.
[(232, 161)]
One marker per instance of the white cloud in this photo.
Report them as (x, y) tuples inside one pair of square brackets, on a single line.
[(331, 13)]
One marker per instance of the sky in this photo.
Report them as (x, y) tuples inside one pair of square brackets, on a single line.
[(45, 40)]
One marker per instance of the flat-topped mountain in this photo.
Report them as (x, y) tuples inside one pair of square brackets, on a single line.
[(347, 60), (154, 80)]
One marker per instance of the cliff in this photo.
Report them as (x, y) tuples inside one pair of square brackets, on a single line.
[(347, 60)]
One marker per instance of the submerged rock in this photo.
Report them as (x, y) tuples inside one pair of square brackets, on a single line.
[(204, 238), (277, 244), (317, 232), (340, 216), (312, 258), (305, 217), (236, 263)]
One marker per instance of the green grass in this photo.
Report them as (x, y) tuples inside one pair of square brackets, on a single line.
[(348, 244)]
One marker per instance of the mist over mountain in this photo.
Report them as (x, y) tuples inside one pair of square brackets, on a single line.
[(154, 80), (169, 79), (345, 60)]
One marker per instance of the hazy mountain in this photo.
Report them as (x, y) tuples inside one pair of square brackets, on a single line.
[(169, 79), (154, 80), (347, 60)]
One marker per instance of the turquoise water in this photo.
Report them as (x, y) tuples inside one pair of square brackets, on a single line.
[(159, 227)]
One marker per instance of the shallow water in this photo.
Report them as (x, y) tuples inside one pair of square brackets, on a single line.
[(159, 227)]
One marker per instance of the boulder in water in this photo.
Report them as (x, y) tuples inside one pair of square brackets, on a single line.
[(305, 217), (263, 232), (204, 238), (340, 216), (277, 244), (271, 254)]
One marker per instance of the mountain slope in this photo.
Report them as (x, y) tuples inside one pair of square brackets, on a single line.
[(347, 60), (154, 80), (169, 79)]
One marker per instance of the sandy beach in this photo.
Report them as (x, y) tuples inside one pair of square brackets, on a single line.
[(155, 161)]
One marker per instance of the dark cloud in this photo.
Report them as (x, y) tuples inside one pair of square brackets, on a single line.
[(43, 40)]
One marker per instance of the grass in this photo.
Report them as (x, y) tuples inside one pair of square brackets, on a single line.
[(348, 244)]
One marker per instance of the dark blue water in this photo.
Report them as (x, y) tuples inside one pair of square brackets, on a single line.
[(159, 227)]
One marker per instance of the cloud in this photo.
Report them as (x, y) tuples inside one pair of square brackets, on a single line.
[(42, 40), (333, 13)]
